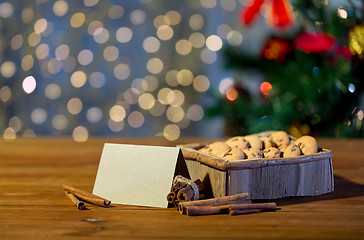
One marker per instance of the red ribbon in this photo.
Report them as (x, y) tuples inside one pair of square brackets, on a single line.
[(280, 13)]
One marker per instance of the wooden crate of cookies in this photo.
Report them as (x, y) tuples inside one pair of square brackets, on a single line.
[(267, 165)]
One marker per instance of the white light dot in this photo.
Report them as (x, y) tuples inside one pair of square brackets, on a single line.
[(342, 13), (195, 112), (9, 134), (234, 38), (208, 3), (60, 8), (60, 122), (225, 85), (171, 132), (117, 113), (78, 79), (29, 84), (183, 47), (115, 12), (137, 17), (115, 126), (27, 15), (80, 134), (74, 106), (151, 44), (17, 41), (38, 115), (111, 53), (101, 35), (15, 123), (165, 32), (175, 114), (6, 10), (214, 43), (146, 101), (228, 5), (53, 91), (40, 25), (94, 114), (124, 34), (42, 51), (155, 65), (201, 83), (8, 69), (90, 3), (196, 21), (208, 56), (62, 52), (135, 119), (85, 57), (97, 79), (351, 87), (122, 71)]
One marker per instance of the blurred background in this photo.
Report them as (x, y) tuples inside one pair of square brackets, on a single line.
[(206, 68)]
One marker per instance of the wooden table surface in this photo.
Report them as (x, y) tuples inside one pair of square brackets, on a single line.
[(33, 204)]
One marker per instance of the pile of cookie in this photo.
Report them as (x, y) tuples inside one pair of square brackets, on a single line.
[(277, 145)]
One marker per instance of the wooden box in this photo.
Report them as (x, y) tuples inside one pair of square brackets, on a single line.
[(263, 178)]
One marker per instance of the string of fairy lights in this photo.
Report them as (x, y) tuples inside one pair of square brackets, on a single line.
[(93, 67)]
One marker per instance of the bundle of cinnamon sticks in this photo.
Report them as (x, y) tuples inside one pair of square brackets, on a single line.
[(79, 197), (184, 190), (234, 205)]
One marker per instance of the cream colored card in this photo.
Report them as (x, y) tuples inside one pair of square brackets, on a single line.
[(137, 174)]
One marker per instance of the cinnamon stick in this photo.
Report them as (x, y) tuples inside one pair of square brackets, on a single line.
[(171, 196), (185, 194), (226, 200), (244, 211), (206, 210), (86, 196), (233, 209), (79, 204), (263, 206)]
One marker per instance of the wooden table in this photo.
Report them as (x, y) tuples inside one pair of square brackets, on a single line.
[(33, 204)]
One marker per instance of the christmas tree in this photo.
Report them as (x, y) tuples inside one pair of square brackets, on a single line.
[(312, 72)]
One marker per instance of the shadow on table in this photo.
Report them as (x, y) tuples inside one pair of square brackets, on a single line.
[(343, 189)]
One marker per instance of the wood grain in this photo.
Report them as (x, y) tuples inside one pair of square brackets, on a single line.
[(33, 204)]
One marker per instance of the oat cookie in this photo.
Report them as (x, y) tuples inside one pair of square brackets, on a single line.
[(267, 142), (280, 139), (234, 154), (291, 150), (254, 141), (253, 153), (218, 149), (307, 144), (239, 142), (271, 152)]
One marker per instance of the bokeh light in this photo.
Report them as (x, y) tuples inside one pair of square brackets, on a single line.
[(135, 119), (68, 57), (171, 132), (53, 91), (265, 88), (39, 115), (155, 65), (80, 134), (78, 79), (29, 84), (117, 113), (60, 8), (214, 43), (165, 32), (8, 69), (77, 20), (124, 34), (74, 106)]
